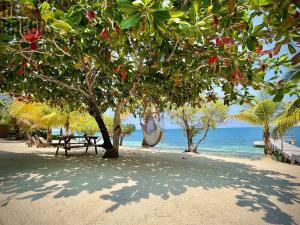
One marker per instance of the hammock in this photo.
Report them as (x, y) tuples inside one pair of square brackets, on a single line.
[(152, 131)]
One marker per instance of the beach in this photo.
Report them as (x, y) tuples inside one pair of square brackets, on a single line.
[(144, 187)]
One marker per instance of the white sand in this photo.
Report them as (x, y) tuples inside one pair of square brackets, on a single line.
[(143, 187)]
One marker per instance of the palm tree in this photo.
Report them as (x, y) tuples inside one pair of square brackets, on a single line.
[(263, 113), (37, 115), (287, 119)]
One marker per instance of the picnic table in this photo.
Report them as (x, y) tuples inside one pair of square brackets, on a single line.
[(65, 142)]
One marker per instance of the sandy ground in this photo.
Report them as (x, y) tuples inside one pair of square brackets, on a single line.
[(143, 187)]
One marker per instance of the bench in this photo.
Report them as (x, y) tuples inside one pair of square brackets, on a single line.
[(65, 142)]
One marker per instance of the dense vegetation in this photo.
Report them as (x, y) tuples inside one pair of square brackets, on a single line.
[(93, 55)]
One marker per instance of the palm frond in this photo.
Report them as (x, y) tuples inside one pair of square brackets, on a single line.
[(285, 122), (248, 116)]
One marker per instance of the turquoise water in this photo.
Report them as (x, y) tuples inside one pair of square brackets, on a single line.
[(221, 141)]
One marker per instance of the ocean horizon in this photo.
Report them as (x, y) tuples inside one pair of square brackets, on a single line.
[(234, 141)]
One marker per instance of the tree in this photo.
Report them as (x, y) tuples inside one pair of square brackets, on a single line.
[(263, 112), (127, 129), (35, 115), (196, 121), (289, 118), (104, 54)]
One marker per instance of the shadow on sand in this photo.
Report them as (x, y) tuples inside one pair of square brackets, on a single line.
[(22, 173)]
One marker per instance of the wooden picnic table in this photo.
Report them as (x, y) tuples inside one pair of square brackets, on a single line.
[(65, 142)]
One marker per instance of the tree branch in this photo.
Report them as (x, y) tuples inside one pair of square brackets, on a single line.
[(202, 139), (61, 83), (173, 51)]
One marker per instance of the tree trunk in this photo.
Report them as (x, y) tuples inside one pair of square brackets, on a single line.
[(117, 126), (202, 139), (67, 125), (268, 145), (190, 143), (49, 135), (189, 139), (17, 130), (188, 134), (107, 145), (121, 139)]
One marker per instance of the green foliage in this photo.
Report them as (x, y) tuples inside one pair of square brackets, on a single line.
[(197, 121), (127, 129), (4, 113), (167, 51), (263, 112), (289, 118), (83, 123), (40, 133)]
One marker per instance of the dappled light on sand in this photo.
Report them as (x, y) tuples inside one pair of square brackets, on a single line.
[(146, 186)]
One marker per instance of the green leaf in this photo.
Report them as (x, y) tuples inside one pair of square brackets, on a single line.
[(126, 7), (251, 41), (62, 25), (177, 14), (28, 3), (283, 58), (196, 7), (184, 24), (205, 3), (48, 15), (160, 16), (258, 28), (292, 50), (44, 7), (278, 97), (138, 3), (59, 13), (262, 2), (131, 21)]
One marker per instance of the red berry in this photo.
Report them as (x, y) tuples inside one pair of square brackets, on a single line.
[(104, 34), (123, 75), (258, 49), (212, 59), (21, 72), (117, 68), (34, 46), (218, 41), (91, 15), (270, 55), (117, 29), (280, 82), (33, 35), (227, 40), (238, 74), (227, 62), (24, 62)]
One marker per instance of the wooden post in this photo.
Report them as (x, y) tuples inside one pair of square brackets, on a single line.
[(95, 143), (67, 140), (87, 145), (58, 146)]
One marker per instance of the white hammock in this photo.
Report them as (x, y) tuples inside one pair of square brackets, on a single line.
[(152, 132)]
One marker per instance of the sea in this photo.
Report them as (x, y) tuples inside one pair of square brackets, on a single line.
[(220, 141)]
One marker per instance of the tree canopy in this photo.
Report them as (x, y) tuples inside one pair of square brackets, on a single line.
[(97, 55)]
